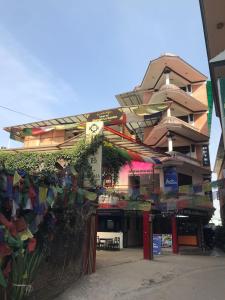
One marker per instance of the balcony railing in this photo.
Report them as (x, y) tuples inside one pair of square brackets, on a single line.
[(185, 158)]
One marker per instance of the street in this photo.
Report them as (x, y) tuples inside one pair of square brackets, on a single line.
[(125, 275)]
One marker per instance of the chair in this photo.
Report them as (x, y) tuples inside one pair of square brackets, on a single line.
[(117, 243), (110, 244), (99, 244)]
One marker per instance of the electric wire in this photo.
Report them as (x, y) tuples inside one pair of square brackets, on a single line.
[(20, 113)]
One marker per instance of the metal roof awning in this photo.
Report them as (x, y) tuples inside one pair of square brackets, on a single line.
[(122, 141), (135, 149), (136, 117)]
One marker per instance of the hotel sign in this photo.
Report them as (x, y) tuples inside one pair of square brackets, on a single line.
[(93, 129), (205, 156), (106, 115)]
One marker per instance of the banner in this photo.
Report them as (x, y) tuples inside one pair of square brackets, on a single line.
[(157, 244), (170, 179), (166, 240)]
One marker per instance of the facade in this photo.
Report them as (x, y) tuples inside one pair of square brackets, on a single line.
[(163, 125), (182, 132), (213, 19)]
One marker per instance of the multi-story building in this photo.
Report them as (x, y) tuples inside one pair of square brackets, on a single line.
[(182, 132), (169, 129)]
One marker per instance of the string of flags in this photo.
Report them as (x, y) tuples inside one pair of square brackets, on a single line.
[(22, 132)]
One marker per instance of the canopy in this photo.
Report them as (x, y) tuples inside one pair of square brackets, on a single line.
[(136, 117)]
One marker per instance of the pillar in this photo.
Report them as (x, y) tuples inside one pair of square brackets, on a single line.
[(170, 144), (167, 78), (147, 236), (168, 112), (174, 234)]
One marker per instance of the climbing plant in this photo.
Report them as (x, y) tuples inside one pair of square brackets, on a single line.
[(48, 163)]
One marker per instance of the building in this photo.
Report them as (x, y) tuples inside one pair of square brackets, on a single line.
[(163, 125), (182, 132), (213, 19)]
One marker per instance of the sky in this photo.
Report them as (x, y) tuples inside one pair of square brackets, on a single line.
[(60, 58)]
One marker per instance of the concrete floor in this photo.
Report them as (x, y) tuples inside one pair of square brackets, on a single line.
[(125, 275)]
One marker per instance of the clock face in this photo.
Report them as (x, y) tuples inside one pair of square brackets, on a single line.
[(94, 128)]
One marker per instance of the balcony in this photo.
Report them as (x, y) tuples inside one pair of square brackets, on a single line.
[(185, 158), (177, 127)]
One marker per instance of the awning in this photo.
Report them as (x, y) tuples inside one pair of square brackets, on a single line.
[(136, 117), (135, 149)]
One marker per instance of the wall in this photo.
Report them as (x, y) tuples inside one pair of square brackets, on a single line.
[(200, 122), (199, 92), (50, 138), (137, 168)]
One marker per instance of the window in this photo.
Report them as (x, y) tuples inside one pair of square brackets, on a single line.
[(183, 118), (182, 149), (184, 179), (191, 118), (187, 88), (110, 224)]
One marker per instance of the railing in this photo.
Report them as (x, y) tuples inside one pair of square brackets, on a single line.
[(185, 158), (174, 120)]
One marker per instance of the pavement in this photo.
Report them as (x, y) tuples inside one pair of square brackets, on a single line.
[(125, 275)]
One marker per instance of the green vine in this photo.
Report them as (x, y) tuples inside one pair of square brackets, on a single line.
[(48, 163)]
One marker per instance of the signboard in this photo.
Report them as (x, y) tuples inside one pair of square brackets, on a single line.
[(106, 115), (93, 129), (170, 179), (108, 181), (205, 156), (166, 240), (157, 244)]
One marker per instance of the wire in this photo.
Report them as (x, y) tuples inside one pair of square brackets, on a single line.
[(20, 113)]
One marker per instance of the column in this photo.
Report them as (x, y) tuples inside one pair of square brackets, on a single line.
[(170, 141), (168, 112), (174, 234), (167, 78), (147, 236)]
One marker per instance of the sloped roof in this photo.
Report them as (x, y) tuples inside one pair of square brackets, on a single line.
[(176, 65)]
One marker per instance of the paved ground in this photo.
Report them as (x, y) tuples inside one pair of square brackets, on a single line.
[(124, 275)]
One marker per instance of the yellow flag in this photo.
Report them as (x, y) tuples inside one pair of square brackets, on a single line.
[(16, 178), (43, 194)]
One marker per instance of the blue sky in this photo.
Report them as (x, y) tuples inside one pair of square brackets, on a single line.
[(67, 57)]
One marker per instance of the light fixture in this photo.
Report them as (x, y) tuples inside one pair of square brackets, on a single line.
[(220, 25), (182, 216)]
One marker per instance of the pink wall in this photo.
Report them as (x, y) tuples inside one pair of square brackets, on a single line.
[(137, 168)]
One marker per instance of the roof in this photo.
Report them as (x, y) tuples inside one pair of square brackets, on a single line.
[(115, 137), (218, 58), (178, 68), (176, 126), (136, 125)]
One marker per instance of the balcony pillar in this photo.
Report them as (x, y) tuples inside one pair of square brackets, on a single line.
[(167, 78), (170, 141), (168, 112)]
